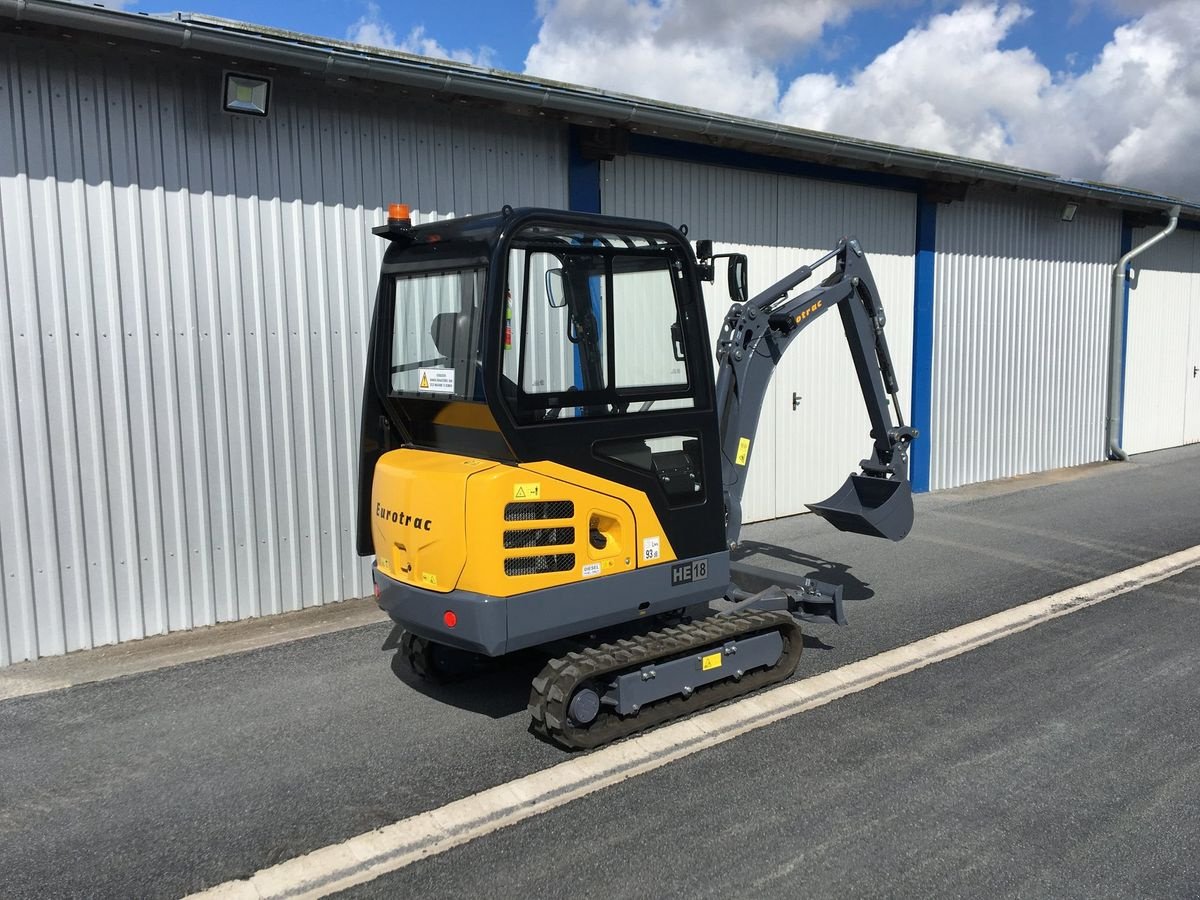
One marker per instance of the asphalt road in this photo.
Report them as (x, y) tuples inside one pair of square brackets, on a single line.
[(1061, 762), (1057, 762)]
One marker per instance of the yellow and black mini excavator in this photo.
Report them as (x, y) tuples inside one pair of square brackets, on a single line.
[(548, 459)]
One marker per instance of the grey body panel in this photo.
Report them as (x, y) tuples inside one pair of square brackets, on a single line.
[(494, 626), (482, 626)]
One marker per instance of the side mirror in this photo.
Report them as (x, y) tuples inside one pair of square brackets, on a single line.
[(739, 278), (556, 288)]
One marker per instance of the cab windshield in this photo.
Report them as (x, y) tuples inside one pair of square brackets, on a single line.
[(593, 325)]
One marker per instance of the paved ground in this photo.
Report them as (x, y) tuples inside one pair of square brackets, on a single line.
[(1061, 762), (1057, 762)]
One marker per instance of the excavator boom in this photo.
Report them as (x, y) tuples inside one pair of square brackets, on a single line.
[(754, 337)]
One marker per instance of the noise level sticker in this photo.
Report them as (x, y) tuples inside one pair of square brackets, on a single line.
[(530, 491), (650, 548), (743, 451), (436, 381)]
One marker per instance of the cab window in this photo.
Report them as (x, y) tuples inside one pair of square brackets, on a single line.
[(593, 327)]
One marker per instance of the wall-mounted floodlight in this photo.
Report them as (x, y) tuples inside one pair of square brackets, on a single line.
[(1068, 213), (246, 94)]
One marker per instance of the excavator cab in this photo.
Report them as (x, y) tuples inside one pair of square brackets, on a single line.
[(537, 336)]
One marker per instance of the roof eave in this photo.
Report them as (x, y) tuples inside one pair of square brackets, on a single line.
[(339, 59)]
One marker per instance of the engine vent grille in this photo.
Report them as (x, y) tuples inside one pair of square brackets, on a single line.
[(539, 537), (532, 510), (538, 565)]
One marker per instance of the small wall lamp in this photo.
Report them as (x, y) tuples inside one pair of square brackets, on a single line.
[(246, 94)]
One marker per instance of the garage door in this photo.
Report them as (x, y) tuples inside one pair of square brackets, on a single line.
[(814, 429), (1162, 361)]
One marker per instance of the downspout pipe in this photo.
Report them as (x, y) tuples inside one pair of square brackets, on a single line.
[(1116, 338)]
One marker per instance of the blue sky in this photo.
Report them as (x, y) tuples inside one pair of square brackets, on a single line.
[(1062, 34), (1104, 90)]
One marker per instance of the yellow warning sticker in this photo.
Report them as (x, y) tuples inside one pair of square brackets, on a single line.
[(429, 578), (712, 661), (530, 491), (424, 382), (743, 451)]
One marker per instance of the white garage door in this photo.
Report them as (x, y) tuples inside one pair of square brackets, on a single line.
[(1162, 361), (814, 428)]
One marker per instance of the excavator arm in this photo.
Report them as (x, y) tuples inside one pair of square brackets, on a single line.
[(753, 339)]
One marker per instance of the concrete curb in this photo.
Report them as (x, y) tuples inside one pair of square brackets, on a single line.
[(163, 651)]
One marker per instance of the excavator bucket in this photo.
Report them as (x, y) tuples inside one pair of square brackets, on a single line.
[(879, 507)]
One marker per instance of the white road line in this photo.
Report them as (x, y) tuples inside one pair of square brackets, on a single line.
[(367, 856)]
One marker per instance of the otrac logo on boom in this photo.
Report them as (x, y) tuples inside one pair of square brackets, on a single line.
[(808, 312), (398, 518)]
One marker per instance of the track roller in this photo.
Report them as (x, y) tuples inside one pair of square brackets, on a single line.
[(591, 697)]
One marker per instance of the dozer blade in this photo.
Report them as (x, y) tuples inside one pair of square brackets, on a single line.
[(879, 507)]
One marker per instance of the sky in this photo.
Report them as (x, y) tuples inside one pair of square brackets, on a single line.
[(1103, 90)]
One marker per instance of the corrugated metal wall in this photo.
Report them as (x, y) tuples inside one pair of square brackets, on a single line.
[(186, 301), (1162, 362), (1020, 338), (780, 223)]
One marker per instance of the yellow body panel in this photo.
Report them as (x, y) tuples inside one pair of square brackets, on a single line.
[(650, 534), (419, 516), (439, 523)]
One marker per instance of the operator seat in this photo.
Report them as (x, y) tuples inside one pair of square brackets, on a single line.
[(451, 335)]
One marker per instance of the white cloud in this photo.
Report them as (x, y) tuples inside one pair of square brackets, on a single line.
[(951, 84), (707, 53), (373, 30)]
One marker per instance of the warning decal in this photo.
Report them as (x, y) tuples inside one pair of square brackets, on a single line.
[(527, 491), (436, 381), (743, 451)]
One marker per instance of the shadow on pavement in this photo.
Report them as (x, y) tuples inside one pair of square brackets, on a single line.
[(812, 642), (853, 589), (493, 687)]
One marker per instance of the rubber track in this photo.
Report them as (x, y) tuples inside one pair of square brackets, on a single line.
[(557, 682)]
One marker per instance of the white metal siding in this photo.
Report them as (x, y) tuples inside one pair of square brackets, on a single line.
[(186, 298), (1162, 390), (781, 223), (1020, 338)]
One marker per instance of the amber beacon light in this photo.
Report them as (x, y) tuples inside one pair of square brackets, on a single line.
[(398, 214)]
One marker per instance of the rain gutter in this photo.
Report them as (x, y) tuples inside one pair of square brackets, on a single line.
[(340, 60), (1116, 338)]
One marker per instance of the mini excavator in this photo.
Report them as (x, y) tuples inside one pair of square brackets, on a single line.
[(548, 460)]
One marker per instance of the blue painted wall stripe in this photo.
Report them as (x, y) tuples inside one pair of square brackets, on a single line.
[(922, 358), (583, 195), (1126, 246), (583, 178)]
